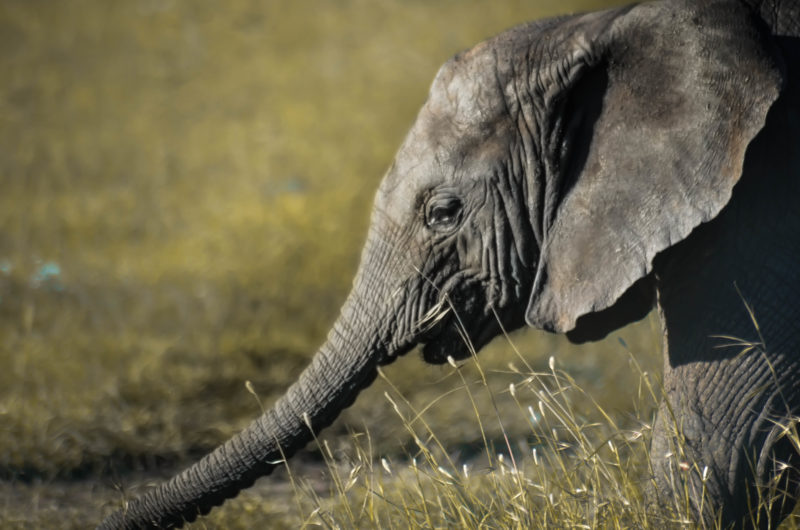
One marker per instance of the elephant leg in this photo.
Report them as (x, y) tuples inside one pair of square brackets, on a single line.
[(723, 440), (722, 448)]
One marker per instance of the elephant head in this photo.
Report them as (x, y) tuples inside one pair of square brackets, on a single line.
[(548, 168)]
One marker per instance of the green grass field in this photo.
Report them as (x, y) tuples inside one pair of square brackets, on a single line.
[(184, 190)]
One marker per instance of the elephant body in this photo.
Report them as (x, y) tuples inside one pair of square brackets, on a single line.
[(732, 376), (571, 174)]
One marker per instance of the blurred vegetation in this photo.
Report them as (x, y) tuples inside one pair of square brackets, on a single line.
[(184, 190)]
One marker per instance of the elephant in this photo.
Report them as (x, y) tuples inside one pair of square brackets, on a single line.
[(571, 174)]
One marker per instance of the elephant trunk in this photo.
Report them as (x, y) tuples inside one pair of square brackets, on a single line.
[(344, 365)]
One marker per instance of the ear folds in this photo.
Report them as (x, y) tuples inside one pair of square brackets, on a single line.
[(686, 87)]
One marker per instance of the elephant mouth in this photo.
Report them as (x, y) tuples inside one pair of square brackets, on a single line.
[(450, 340), (460, 335)]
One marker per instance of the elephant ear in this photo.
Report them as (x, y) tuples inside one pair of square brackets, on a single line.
[(679, 91)]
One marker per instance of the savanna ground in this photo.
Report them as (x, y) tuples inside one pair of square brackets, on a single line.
[(184, 190)]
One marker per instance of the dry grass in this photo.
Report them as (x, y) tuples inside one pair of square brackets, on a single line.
[(578, 465)]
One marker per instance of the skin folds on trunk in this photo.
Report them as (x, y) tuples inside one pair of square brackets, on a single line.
[(329, 384)]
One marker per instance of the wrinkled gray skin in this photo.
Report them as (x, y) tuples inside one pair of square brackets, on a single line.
[(570, 174)]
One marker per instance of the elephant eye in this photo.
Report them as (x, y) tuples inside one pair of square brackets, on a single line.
[(443, 214)]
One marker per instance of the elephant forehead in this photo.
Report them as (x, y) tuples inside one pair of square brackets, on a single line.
[(466, 91), (406, 180), (443, 155), (433, 151), (479, 84)]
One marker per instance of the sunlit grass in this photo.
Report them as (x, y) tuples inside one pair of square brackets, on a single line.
[(578, 466), (570, 465)]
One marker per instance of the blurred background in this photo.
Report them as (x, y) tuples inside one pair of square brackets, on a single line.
[(184, 191)]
